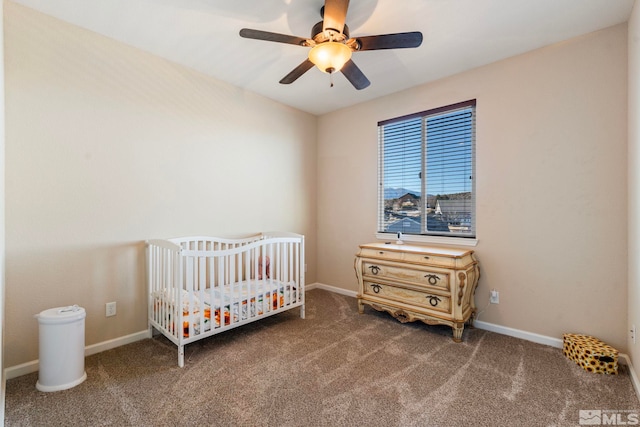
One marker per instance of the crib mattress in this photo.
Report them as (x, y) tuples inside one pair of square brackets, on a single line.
[(233, 303)]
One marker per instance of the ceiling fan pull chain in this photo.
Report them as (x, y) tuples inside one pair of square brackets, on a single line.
[(331, 79)]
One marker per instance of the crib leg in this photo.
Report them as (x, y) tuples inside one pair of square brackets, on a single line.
[(302, 311), (181, 356)]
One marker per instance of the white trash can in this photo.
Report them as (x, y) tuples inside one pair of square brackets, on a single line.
[(61, 348)]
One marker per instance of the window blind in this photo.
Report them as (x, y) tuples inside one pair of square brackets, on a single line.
[(426, 172)]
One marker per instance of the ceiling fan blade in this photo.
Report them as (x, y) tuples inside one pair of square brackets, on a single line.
[(248, 33), (297, 72), (335, 14), (388, 41), (354, 75)]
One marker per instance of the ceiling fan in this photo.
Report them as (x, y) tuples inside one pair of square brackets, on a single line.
[(331, 47)]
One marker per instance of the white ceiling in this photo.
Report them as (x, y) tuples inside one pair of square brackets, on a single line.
[(458, 35)]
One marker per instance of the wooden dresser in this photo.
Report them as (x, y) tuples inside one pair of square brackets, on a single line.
[(411, 282)]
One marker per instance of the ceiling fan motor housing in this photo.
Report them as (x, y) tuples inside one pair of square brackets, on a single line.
[(320, 36)]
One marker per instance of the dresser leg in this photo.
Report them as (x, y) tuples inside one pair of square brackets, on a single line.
[(457, 332), (360, 307), (472, 318)]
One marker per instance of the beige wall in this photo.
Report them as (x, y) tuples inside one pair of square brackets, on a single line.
[(2, 231), (551, 184), (634, 183), (108, 146)]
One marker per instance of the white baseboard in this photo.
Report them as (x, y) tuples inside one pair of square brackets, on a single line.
[(117, 342), (624, 358), (33, 366), (518, 333), (332, 289)]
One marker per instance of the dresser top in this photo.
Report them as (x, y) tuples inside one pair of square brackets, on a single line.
[(419, 249)]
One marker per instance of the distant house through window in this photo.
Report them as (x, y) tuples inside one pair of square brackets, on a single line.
[(427, 172)]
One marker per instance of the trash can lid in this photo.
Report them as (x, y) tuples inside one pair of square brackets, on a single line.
[(61, 314)]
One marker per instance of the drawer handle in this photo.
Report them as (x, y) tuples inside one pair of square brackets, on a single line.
[(426, 257), (433, 278), (433, 300), (376, 288), (374, 269)]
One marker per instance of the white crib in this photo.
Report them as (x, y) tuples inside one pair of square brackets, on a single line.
[(201, 286)]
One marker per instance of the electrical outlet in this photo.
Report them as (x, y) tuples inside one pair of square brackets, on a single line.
[(110, 309), (633, 333), (495, 297)]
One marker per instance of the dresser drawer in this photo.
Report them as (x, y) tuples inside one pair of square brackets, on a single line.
[(416, 298), (421, 277), (381, 254), (432, 260)]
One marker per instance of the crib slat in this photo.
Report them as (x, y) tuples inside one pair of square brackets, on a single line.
[(221, 291), (202, 281)]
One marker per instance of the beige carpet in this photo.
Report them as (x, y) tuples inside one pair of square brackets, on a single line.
[(334, 368)]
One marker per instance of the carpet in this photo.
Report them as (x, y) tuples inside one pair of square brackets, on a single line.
[(334, 368)]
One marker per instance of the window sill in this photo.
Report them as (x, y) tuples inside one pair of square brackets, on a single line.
[(440, 240)]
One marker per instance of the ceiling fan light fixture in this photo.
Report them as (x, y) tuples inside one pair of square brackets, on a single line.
[(330, 56)]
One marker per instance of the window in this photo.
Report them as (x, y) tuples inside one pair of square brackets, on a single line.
[(427, 173)]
